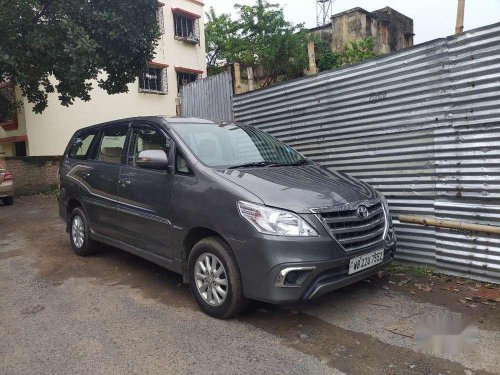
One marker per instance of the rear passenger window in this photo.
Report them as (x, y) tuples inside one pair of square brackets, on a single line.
[(81, 145), (112, 145)]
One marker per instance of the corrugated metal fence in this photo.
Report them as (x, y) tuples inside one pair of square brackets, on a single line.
[(209, 98), (421, 125)]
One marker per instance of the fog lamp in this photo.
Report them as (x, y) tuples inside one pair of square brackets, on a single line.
[(292, 277)]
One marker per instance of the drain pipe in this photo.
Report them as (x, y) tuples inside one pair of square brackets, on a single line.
[(420, 220)]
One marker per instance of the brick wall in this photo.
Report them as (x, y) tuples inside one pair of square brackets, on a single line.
[(33, 174)]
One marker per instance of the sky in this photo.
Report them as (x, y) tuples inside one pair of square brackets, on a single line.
[(432, 18)]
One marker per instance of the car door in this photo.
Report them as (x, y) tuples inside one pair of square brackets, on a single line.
[(99, 178), (145, 194)]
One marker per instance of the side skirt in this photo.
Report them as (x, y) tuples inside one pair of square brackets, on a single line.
[(165, 262)]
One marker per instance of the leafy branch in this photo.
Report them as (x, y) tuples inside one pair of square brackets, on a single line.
[(352, 53), (259, 37), (78, 42)]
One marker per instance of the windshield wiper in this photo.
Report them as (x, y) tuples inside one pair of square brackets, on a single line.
[(253, 164), (268, 164), (300, 162)]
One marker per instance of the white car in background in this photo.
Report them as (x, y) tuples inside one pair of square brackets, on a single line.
[(6, 187)]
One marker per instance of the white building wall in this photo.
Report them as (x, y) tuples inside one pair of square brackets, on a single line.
[(49, 132)]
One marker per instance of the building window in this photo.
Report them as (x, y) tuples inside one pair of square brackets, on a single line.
[(160, 19), (408, 40), (20, 148), (185, 77), (186, 26), (153, 80)]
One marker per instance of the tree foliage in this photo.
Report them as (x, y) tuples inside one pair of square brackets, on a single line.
[(352, 53), (260, 37), (74, 42), (220, 40), (357, 51), (327, 59)]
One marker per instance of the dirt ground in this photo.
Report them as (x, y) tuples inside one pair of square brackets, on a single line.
[(114, 313)]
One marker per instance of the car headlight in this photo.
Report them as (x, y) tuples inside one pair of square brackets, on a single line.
[(274, 221), (388, 218)]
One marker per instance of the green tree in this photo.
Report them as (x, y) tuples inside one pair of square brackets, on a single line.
[(260, 37), (327, 59), (356, 51), (220, 39), (353, 52), (74, 42)]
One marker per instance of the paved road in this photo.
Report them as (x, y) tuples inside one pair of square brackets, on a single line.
[(114, 313)]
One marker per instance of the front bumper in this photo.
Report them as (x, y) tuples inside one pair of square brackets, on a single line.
[(326, 261), (336, 278)]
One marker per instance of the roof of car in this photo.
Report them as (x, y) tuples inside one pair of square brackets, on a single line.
[(157, 119), (183, 120)]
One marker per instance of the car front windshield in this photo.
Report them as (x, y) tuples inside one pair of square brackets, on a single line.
[(232, 146)]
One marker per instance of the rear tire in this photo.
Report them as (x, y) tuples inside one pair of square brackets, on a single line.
[(79, 234), (8, 201), (215, 280)]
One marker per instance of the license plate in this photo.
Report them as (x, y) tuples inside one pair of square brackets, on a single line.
[(365, 261)]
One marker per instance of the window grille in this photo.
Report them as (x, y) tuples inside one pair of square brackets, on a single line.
[(153, 80), (186, 28)]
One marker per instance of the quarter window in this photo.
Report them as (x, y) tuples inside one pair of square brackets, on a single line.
[(146, 138), (112, 145), (81, 145), (181, 166), (153, 80)]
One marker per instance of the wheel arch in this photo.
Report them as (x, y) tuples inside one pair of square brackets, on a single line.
[(193, 236), (70, 206)]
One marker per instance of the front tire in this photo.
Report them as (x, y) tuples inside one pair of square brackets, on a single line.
[(8, 201), (215, 280), (79, 234)]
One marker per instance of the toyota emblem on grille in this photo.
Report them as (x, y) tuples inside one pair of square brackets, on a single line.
[(362, 212)]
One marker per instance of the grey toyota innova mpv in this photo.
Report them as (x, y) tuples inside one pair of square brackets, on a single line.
[(239, 214)]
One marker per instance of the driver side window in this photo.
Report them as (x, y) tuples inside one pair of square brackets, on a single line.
[(147, 138)]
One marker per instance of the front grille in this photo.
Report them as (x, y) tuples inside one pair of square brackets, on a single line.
[(354, 232)]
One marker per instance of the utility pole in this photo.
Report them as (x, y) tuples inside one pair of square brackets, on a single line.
[(460, 17)]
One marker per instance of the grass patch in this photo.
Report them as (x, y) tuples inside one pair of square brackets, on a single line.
[(419, 271), (51, 190)]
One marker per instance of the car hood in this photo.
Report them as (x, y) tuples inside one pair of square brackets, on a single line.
[(301, 188)]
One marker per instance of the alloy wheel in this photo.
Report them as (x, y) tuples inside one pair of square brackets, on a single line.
[(77, 231), (211, 279)]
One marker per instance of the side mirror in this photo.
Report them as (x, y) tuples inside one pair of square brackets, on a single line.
[(152, 159)]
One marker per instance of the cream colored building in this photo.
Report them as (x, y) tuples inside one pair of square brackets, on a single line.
[(180, 58)]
